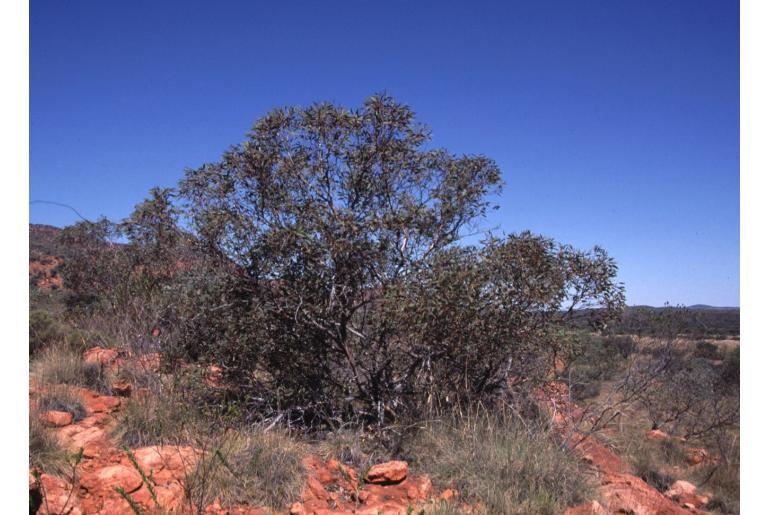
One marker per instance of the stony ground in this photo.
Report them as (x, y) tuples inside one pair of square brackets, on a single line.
[(107, 479)]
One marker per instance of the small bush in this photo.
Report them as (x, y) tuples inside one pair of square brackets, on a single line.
[(707, 350), (43, 330), (649, 459), (595, 359), (731, 369), (47, 329), (356, 447), (658, 480), (500, 463), (723, 480), (622, 345), (584, 381), (140, 377)]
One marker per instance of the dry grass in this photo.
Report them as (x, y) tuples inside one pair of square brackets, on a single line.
[(60, 398), (444, 508), (499, 463), (61, 365), (260, 468), (660, 463), (239, 465), (45, 453), (162, 416), (355, 447)]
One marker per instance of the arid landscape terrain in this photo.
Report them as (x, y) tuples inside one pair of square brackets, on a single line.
[(295, 330)]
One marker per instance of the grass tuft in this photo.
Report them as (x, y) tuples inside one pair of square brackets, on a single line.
[(45, 452), (60, 365), (260, 468), (496, 461)]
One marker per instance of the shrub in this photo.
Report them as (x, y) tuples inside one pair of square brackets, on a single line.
[(723, 480), (334, 270), (652, 459), (329, 280), (43, 330), (731, 369), (623, 345), (707, 350), (682, 395), (355, 447), (593, 359), (47, 329)]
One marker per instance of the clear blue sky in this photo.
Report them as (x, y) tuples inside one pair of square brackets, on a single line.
[(614, 122)]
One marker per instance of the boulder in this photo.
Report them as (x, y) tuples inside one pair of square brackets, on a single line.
[(166, 463), (657, 434), (685, 493), (625, 493), (100, 356), (696, 455), (389, 472), (58, 497), (55, 418), (122, 388), (589, 508), (103, 481)]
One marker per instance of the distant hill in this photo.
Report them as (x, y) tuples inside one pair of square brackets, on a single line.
[(44, 257), (695, 307), (697, 321), (707, 307), (42, 238)]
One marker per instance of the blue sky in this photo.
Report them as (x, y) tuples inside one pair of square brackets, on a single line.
[(614, 123)]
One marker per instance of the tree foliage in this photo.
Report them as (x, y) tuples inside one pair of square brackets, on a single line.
[(341, 281), (323, 268)]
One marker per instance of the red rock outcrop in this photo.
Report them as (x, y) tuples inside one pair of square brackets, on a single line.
[(626, 493), (589, 508), (621, 492), (59, 497), (44, 271), (684, 492), (331, 487)]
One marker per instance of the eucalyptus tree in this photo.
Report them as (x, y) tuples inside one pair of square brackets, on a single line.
[(337, 283)]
